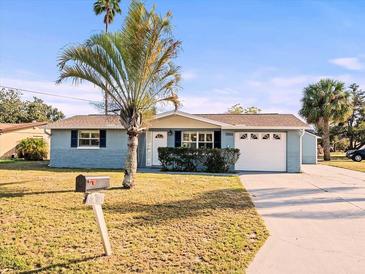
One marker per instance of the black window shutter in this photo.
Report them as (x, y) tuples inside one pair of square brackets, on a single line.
[(177, 138), (102, 138), (73, 138), (217, 139)]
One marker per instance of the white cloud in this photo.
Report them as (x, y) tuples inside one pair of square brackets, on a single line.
[(216, 100), (294, 81), (351, 63), (206, 104), (225, 91), (189, 75), (290, 81), (280, 93)]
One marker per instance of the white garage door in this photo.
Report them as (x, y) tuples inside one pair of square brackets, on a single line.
[(261, 151)]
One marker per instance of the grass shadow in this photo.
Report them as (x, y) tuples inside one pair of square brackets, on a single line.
[(43, 166), (14, 183), (5, 194), (203, 204), (65, 265)]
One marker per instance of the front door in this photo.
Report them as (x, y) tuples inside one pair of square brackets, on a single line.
[(159, 139)]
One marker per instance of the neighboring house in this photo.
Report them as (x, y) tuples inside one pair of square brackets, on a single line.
[(12, 134), (267, 142), (310, 148)]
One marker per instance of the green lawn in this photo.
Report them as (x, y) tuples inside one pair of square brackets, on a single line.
[(5, 161), (348, 164), (167, 223), (339, 155)]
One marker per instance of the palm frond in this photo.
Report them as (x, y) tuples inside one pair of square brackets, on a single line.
[(133, 66), (325, 99), (109, 7)]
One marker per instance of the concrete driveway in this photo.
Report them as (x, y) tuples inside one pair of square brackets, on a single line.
[(316, 220)]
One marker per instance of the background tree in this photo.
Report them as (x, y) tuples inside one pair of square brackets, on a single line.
[(351, 131), (360, 134), (324, 102), (136, 64), (15, 110), (39, 111), (238, 109), (357, 117), (11, 107), (252, 110), (110, 8)]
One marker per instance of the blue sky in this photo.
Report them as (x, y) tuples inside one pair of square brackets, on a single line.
[(257, 53)]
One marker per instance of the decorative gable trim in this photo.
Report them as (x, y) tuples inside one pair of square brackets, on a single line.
[(191, 116)]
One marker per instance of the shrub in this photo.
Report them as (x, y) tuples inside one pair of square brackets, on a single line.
[(192, 159), (32, 149)]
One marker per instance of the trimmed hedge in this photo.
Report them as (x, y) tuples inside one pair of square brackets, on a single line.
[(198, 159)]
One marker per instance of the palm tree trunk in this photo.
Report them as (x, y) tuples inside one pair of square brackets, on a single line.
[(106, 85), (131, 162), (106, 101), (350, 132), (326, 140), (351, 146)]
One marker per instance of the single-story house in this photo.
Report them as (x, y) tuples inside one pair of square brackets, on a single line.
[(12, 134), (267, 142)]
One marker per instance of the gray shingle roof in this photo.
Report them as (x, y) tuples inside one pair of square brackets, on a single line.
[(112, 121), (257, 120), (93, 121)]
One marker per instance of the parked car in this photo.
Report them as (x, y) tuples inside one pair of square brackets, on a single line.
[(356, 154)]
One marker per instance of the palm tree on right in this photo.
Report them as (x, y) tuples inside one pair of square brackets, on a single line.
[(325, 102)]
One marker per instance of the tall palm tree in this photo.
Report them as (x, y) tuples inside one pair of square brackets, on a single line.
[(323, 103), (110, 8), (136, 65)]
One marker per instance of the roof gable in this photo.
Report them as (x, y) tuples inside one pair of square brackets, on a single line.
[(190, 116), (8, 127), (180, 121)]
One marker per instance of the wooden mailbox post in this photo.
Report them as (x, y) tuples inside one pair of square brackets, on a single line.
[(89, 185)]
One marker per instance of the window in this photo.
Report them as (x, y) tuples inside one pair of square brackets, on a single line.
[(205, 140), (254, 136), (189, 139), (276, 136), (265, 136), (89, 138), (244, 136), (197, 139)]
